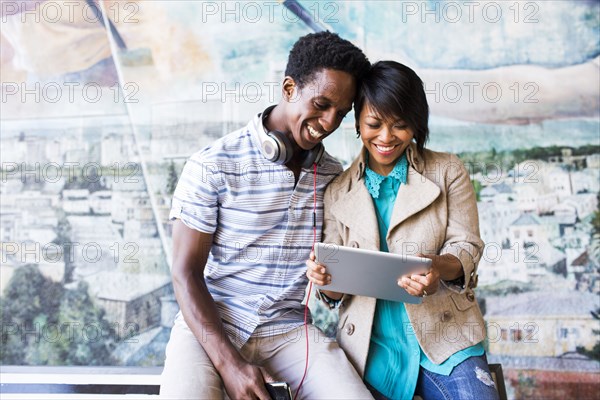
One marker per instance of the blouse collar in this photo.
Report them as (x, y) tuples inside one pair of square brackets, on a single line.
[(373, 179)]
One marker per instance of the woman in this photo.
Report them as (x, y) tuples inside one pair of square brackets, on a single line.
[(399, 197)]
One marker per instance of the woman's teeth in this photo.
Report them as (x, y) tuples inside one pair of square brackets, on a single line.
[(314, 133), (384, 148)]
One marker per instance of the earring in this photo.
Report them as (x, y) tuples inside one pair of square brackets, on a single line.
[(358, 133)]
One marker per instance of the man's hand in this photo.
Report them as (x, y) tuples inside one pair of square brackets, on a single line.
[(246, 381)]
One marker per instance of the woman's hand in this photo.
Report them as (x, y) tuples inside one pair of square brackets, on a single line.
[(448, 266), (422, 285), (317, 273)]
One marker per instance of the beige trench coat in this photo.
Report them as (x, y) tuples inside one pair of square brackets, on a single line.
[(434, 213)]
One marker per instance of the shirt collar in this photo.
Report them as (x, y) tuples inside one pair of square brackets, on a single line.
[(373, 179)]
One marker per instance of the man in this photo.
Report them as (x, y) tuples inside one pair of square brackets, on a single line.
[(242, 232)]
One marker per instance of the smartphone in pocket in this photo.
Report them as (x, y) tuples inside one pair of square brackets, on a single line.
[(279, 390)]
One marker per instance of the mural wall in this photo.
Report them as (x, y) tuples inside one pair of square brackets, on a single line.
[(103, 102)]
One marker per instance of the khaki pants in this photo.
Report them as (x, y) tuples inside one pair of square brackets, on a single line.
[(189, 373)]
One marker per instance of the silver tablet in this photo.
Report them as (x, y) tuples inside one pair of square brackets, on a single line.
[(369, 273)]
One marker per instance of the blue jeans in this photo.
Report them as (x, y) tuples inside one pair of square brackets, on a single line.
[(469, 380)]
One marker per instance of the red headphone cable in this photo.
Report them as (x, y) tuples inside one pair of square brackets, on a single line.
[(309, 282)]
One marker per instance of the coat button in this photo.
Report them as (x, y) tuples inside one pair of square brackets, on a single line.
[(470, 296), (349, 329), (354, 244), (446, 316)]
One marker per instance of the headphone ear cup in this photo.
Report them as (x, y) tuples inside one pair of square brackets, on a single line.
[(277, 147), (313, 156)]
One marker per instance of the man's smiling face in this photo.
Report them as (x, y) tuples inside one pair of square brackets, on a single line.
[(318, 108)]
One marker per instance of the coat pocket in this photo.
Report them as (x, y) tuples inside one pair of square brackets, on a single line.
[(461, 301)]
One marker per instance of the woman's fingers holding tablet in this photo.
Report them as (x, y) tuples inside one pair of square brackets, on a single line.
[(421, 285), (317, 273), (412, 287)]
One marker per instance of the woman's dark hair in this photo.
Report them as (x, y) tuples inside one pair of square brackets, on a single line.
[(324, 50), (395, 92)]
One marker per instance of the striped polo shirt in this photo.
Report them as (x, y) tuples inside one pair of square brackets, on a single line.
[(262, 230)]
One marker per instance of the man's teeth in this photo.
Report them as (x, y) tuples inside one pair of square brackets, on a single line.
[(315, 134), (384, 148)]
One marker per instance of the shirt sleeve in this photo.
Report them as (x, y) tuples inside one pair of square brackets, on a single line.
[(196, 198)]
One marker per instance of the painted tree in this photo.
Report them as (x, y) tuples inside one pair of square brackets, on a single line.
[(171, 178), (30, 303), (46, 324), (88, 337), (63, 239)]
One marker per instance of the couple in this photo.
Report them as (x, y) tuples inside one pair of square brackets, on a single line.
[(240, 244)]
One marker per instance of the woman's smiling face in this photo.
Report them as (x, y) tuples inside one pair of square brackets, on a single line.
[(385, 139)]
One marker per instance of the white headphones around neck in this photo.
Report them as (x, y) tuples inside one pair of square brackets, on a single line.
[(277, 147)]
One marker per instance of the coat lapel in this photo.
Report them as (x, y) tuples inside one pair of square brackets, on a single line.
[(418, 193), (356, 211)]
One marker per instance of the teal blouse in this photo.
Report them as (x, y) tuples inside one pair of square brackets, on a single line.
[(394, 352)]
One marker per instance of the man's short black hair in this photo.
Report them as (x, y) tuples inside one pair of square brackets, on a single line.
[(324, 50)]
